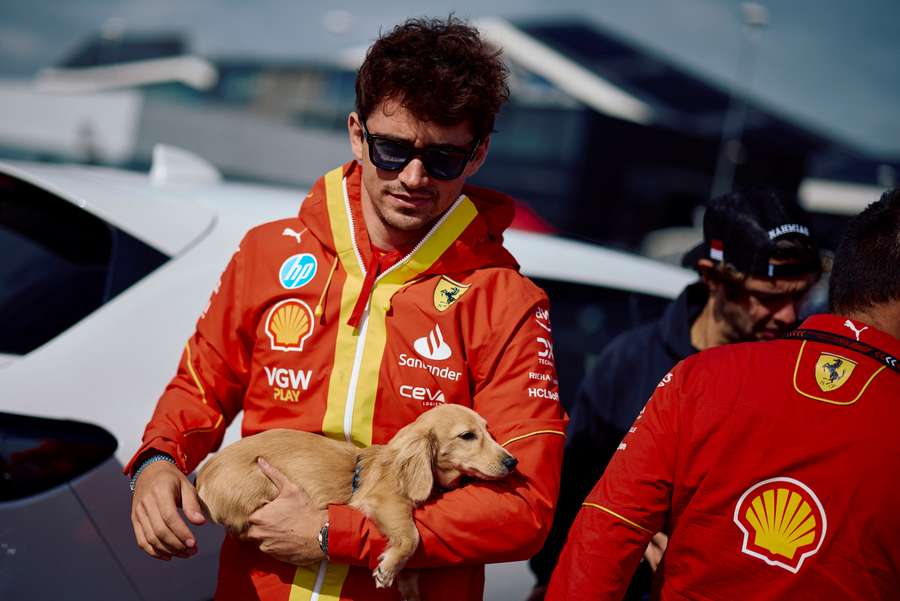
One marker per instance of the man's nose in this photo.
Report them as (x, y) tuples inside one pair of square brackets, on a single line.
[(414, 174), (787, 314)]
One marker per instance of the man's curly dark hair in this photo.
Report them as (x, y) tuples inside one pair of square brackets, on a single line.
[(439, 70)]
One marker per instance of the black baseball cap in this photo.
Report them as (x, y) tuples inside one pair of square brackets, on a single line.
[(742, 229)]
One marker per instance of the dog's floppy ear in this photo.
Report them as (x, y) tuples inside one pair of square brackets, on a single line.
[(414, 455)]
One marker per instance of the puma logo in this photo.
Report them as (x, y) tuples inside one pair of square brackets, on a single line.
[(296, 235), (852, 326)]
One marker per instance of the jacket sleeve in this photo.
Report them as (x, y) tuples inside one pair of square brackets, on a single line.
[(591, 442), (628, 505), (504, 520), (207, 391)]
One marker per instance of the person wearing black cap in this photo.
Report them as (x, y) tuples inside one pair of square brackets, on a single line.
[(756, 262), (771, 465)]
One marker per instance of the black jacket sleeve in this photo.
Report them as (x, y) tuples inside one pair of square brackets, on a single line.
[(591, 441)]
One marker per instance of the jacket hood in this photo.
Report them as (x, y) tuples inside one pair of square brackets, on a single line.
[(480, 244)]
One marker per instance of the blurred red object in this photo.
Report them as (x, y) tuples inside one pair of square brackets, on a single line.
[(528, 220)]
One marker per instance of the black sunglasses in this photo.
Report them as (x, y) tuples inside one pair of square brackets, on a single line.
[(441, 162)]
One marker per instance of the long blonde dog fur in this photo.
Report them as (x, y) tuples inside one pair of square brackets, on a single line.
[(440, 447)]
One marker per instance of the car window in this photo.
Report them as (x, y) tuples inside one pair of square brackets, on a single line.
[(37, 454), (60, 263), (585, 318)]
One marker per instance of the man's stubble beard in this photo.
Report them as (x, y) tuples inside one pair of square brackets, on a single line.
[(407, 220), (736, 325)]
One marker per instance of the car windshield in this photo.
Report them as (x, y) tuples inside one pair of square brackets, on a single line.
[(60, 263)]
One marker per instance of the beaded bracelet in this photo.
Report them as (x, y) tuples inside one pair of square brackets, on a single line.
[(148, 461)]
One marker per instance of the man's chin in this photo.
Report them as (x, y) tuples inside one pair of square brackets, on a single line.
[(407, 221)]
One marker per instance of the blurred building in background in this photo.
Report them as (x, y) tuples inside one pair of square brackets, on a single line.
[(603, 139)]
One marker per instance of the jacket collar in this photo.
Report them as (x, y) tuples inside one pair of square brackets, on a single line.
[(479, 245), (466, 237), (853, 329), (676, 321)]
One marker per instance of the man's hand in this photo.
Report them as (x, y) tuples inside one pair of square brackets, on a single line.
[(654, 552), (158, 528), (287, 527)]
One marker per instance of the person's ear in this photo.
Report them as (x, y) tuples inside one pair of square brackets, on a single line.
[(480, 156), (706, 268), (355, 131)]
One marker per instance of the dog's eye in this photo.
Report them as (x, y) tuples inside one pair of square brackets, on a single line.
[(468, 436)]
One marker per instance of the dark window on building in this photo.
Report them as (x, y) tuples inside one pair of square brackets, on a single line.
[(59, 264)]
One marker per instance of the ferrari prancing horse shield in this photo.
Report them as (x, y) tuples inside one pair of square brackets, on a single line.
[(833, 371), (447, 292)]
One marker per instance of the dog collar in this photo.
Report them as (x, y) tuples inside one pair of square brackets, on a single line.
[(355, 484)]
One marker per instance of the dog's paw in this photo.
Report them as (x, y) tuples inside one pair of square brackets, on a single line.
[(384, 577)]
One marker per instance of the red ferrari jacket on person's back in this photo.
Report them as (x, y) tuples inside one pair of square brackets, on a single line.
[(772, 466), (297, 336)]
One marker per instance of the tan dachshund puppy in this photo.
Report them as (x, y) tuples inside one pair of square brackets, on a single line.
[(441, 446)]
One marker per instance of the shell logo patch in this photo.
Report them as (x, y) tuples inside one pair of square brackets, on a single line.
[(447, 292), (783, 522), (289, 324), (833, 371)]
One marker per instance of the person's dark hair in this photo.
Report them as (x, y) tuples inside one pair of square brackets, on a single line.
[(866, 268), (439, 70)]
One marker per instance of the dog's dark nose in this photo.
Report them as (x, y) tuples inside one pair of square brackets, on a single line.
[(510, 462)]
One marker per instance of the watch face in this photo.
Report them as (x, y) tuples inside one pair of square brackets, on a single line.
[(323, 539)]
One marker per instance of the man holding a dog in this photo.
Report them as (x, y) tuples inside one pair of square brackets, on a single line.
[(390, 293), (771, 466)]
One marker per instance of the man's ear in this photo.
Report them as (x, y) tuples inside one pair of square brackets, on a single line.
[(355, 131), (706, 267), (480, 156)]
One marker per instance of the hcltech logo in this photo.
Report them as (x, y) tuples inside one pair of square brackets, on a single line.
[(433, 345), (297, 271)]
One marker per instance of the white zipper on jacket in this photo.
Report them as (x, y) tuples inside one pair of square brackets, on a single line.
[(364, 320), (361, 341), (363, 326), (320, 580)]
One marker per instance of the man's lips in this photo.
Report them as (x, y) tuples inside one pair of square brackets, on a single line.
[(415, 200)]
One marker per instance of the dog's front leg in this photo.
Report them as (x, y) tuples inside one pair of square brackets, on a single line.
[(397, 525)]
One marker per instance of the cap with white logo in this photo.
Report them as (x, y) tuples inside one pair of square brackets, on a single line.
[(742, 229)]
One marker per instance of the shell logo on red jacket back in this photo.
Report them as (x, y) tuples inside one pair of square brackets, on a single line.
[(783, 522)]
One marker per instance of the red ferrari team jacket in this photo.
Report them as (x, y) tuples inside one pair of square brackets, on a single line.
[(772, 466), (311, 330)]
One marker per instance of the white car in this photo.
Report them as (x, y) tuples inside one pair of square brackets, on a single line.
[(103, 276)]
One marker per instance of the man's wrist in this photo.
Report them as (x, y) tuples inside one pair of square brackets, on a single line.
[(155, 458)]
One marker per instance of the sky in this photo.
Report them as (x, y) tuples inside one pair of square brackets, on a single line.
[(827, 65)]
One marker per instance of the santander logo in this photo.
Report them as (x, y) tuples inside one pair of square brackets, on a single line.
[(433, 346)]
